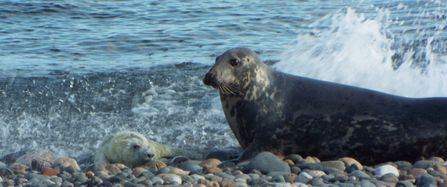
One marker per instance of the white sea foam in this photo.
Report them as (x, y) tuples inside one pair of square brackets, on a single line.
[(355, 51)]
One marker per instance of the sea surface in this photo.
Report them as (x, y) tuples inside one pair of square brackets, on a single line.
[(72, 72)]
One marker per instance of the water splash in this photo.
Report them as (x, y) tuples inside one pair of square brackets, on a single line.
[(355, 50)]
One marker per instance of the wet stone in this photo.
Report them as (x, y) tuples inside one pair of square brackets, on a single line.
[(336, 164), (359, 174), (266, 162), (301, 179), (316, 181), (403, 165), (424, 164), (293, 157), (6, 173), (425, 180)]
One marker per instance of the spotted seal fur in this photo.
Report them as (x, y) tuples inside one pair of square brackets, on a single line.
[(268, 110)]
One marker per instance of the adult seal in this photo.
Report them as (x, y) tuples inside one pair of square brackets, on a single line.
[(268, 110)]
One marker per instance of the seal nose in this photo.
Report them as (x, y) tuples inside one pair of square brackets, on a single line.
[(209, 79), (150, 155)]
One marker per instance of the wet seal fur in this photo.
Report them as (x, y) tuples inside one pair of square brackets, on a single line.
[(268, 110)]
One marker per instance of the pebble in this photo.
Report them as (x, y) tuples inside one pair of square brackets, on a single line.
[(348, 161), (385, 169), (336, 164), (266, 162), (260, 171), (305, 175), (66, 161), (37, 160)]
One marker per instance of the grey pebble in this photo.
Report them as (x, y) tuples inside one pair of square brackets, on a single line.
[(425, 180), (404, 184), (403, 165), (6, 173), (311, 166), (67, 184), (424, 164), (56, 179), (275, 173), (279, 178), (293, 157), (359, 174), (339, 179), (188, 163), (336, 164), (146, 174), (366, 183), (80, 177), (301, 179), (115, 179), (243, 176), (352, 167), (194, 169), (95, 167), (70, 169), (186, 178), (316, 181), (266, 162), (259, 182), (433, 173), (295, 170), (157, 181)]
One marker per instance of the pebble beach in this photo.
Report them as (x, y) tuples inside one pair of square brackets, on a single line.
[(41, 168)]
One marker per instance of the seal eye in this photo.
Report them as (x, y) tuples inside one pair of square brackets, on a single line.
[(234, 62), (136, 146)]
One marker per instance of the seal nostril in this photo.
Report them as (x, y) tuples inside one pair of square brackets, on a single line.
[(150, 155), (208, 78)]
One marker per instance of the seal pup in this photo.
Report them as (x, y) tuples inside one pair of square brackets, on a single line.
[(268, 110), (133, 149)]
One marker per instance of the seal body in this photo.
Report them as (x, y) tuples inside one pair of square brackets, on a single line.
[(268, 110)]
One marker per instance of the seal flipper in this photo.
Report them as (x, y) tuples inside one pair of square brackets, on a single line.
[(249, 153)]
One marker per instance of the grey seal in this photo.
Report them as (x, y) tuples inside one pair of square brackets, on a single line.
[(268, 110)]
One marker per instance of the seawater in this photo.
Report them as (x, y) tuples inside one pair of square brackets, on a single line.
[(72, 72)]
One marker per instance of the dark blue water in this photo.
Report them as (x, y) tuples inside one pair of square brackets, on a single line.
[(73, 71)]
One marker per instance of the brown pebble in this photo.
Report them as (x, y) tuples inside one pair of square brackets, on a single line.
[(66, 161), (389, 179), (237, 172), (212, 170), (441, 169), (289, 162), (227, 183), (49, 172), (437, 159), (349, 161), (290, 177), (240, 180), (443, 176), (212, 162), (138, 170), (18, 168), (38, 160), (157, 164), (316, 173), (113, 168), (416, 172), (404, 177), (178, 171), (442, 184), (89, 174), (309, 160)]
